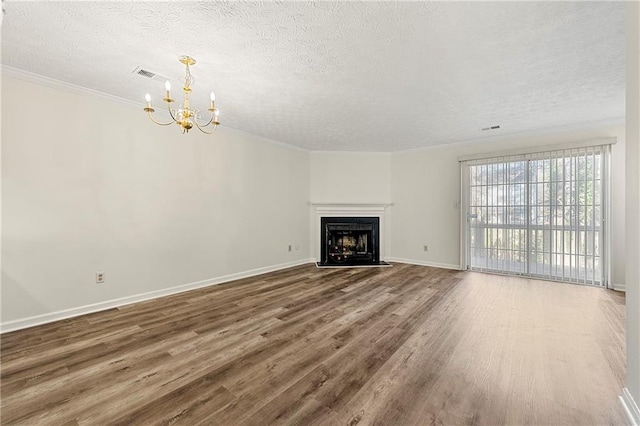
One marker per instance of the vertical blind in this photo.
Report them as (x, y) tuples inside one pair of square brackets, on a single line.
[(538, 215)]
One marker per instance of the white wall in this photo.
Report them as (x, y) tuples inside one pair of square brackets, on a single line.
[(350, 177), (92, 185), (633, 207), (426, 184)]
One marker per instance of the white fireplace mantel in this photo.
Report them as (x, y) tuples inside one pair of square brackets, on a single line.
[(351, 210), (352, 204)]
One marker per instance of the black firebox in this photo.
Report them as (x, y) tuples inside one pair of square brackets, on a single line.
[(350, 241)]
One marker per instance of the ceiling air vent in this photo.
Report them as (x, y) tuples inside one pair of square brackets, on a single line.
[(487, 129), (144, 73)]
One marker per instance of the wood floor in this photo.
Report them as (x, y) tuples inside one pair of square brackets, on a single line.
[(406, 345)]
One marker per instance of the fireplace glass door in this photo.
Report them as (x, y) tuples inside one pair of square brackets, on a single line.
[(350, 241)]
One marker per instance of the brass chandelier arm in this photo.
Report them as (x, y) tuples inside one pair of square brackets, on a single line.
[(173, 117), (195, 120), (157, 122), (202, 127)]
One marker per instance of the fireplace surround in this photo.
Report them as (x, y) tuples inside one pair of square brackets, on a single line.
[(347, 211)]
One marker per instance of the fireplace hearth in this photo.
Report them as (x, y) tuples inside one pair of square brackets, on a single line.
[(350, 241)]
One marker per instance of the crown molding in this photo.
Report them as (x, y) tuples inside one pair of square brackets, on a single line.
[(269, 140), (31, 77), (53, 83), (376, 153), (537, 133)]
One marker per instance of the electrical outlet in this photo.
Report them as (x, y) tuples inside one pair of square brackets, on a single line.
[(289, 247), (425, 247), (297, 246), (99, 277)]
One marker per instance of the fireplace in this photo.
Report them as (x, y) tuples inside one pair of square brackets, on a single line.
[(350, 241)]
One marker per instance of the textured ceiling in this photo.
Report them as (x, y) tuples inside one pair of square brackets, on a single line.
[(357, 76)]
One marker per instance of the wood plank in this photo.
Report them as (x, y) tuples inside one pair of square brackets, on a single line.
[(406, 345)]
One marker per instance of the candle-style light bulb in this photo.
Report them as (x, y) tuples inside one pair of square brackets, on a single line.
[(216, 112), (212, 96), (147, 97), (167, 86)]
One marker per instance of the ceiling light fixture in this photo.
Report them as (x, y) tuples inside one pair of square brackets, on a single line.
[(184, 116)]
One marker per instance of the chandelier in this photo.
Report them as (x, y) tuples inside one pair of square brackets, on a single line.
[(184, 116)]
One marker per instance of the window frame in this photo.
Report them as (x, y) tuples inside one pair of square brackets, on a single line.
[(547, 152)]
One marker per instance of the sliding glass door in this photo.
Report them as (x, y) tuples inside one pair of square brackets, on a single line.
[(538, 215)]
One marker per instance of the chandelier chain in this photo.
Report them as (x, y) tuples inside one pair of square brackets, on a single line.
[(188, 78)]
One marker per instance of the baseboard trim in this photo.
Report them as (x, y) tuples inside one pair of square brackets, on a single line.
[(619, 287), (114, 303), (630, 407), (422, 263)]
